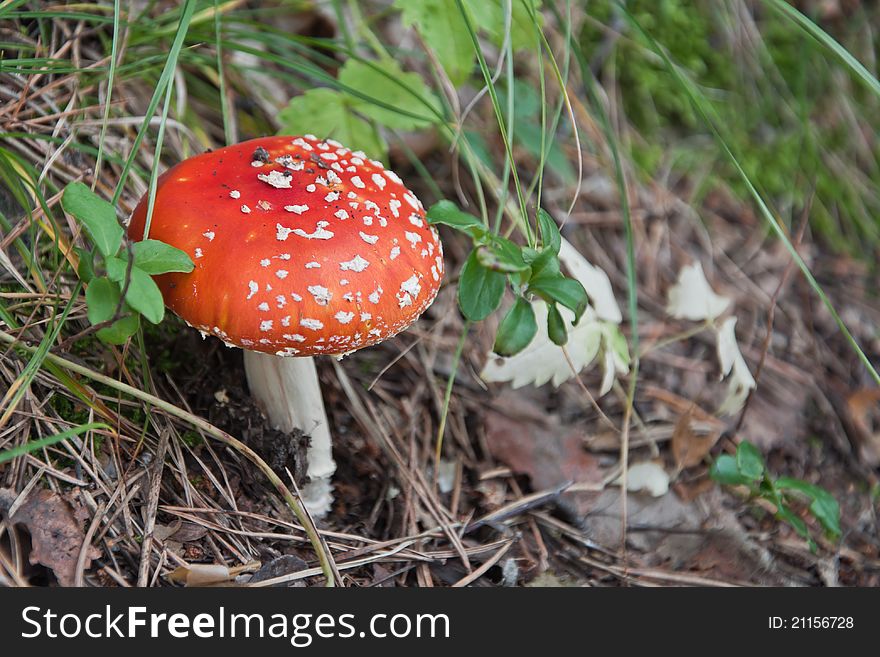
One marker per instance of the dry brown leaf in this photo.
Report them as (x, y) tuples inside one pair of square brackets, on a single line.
[(56, 534), (864, 415), (209, 574), (689, 448)]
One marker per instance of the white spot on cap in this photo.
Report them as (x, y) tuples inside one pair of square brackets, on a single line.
[(379, 180), (266, 325), (281, 273), (264, 307), (332, 196), (280, 300), (275, 178), (393, 177), (285, 321), (298, 209), (412, 286), (412, 200), (413, 238), (366, 317), (341, 214), (264, 205), (253, 287), (374, 295), (313, 324), (295, 337), (245, 209), (209, 234), (295, 296), (302, 143), (369, 239), (265, 262), (320, 232), (322, 294), (329, 156), (394, 204), (395, 251), (198, 253), (357, 264), (234, 194), (357, 182), (310, 188), (313, 265), (368, 220), (416, 220), (344, 317)]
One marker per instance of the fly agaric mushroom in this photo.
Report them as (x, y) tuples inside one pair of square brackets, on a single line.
[(301, 248)]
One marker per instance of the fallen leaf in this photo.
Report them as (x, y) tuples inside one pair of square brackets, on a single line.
[(595, 282), (546, 452), (692, 298), (864, 415), (56, 535), (646, 476), (688, 447)]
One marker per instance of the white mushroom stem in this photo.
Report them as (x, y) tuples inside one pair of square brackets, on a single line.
[(288, 391)]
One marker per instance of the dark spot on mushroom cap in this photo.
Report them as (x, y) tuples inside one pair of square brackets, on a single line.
[(261, 154)]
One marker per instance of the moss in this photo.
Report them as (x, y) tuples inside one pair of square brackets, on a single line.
[(781, 105)]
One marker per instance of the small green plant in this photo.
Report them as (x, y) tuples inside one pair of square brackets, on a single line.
[(118, 275), (747, 469), (496, 262)]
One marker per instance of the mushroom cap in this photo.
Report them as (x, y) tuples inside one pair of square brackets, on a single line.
[(301, 246)]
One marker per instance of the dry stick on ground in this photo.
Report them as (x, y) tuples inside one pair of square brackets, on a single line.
[(325, 559)]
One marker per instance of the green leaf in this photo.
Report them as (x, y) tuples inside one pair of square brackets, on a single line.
[(86, 267), (516, 330), (116, 268), (412, 105), (122, 329), (479, 289), (550, 237), (725, 471), (749, 461), (329, 113), (823, 504), (156, 257), (500, 254), (144, 296), (789, 516), (567, 291), (102, 297), (448, 213), (442, 26), (490, 16), (96, 214), (556, 330)]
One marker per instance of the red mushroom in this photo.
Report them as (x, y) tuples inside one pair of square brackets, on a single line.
[(301, 248)]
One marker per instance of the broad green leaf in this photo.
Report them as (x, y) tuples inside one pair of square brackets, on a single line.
[(500, 254), (490, 16), (479, 289), (823, 504), (556, 325), (86, 267), (566, 291), (122, 329), (725, 471), (387, 83), (789, 516), (96, 214), (550, 237), (102, 297), (516, 330), (442, 26), (116, 268), (328, 113), (749, 461), (156, 257), (448, 213), (144, 296)]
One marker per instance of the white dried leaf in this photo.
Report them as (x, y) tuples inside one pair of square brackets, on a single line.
[(595, 282), (646, 476), (542, 360), (692, 298), (732, 363), (728, 350)]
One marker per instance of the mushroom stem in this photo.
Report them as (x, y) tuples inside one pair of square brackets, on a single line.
[(289, 393)]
